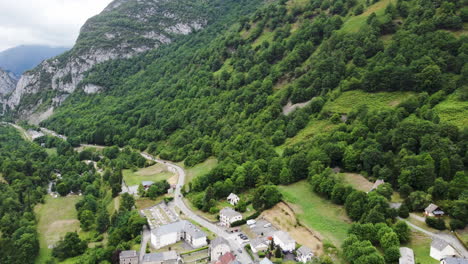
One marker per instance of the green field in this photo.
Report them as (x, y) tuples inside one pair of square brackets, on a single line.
[(358, 181), (421, 245), (328, 219), (453, 111), (314, 128), (200, 169), (56, 217), (157, 172), (352, 100), (354, 23)]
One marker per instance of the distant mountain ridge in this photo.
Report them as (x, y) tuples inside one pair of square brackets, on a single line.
[(25, 57)]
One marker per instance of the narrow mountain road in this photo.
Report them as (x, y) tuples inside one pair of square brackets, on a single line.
[(243, 257)]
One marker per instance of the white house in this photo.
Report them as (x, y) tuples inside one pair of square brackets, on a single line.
[(406, 256), (219, 246), (433, 210), (304, 254), (233, 199), (172, 233), (169, 257), (128, 257), (227, 216), (441, 249), (284, 241), (454, 260), (259, 244)]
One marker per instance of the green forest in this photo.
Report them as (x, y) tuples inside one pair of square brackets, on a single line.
[(221, 92)]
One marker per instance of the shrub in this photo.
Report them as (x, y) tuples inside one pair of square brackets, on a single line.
[(437, 223), (456, 224)]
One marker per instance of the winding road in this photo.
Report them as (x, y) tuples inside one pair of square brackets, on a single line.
[(243, 257)]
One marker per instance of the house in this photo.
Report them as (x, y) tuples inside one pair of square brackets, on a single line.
[(219, 246), (174, 232), (233, 199), (406, 256), (251, 222), (259, 244), (441, 249), (147, 184), (433, 210), (128, 257), (227, 258), (227, 216), (304, 254), (284, 241), (454, 260), (265, 261), (168, 257), (377, 183)]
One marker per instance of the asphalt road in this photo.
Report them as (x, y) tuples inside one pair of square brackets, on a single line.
[(243, 257)]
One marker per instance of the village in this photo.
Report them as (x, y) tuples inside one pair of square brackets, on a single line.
[(178, 240)]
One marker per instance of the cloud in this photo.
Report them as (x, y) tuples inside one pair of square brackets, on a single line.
[(46, 22)]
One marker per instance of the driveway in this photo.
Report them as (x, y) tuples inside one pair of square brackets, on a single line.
[(449, 238)]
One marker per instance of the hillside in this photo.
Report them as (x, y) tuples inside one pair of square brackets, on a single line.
[(125, 28), (22, 58), (7, 83)]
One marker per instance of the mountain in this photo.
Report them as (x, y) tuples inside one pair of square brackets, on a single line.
[(22, 58), (123, 29), (7, 82)]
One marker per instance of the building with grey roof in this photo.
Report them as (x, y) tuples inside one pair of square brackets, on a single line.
[(219, 246), (174, 232), (454, 260), (168, 257), (284, 241), (265, 261), (406, 256), (441, 249), (433, 210), (304, 254), (128, 257), (227, 216)]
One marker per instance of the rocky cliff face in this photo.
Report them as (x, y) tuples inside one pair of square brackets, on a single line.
[(7, 83), (125, 28)]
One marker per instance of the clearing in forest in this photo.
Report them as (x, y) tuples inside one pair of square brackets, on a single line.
[(317, 213), (56, 217), (157, 172)]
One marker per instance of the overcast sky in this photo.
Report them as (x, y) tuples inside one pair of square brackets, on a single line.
[(47, 22)]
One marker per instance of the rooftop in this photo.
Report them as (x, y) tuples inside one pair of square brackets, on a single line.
[(164, 256), (407, 256), (303, 250), (128, 254), (219, 241), (439, 244), (179, 226), (227, 258), (232, 196), (229, 212), (283, 236), (266, 261), (431, 208), (453, 260)]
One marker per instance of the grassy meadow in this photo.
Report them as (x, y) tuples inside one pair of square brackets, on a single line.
[(157, 172), (56, 217), (319, 214)]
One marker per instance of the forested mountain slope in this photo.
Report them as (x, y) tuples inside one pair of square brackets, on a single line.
[(125, 28)]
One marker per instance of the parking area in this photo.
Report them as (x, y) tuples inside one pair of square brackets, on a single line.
[(158, 215)]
